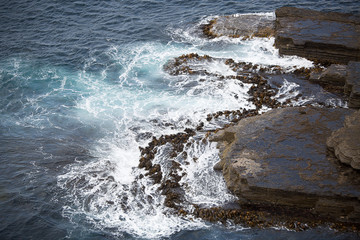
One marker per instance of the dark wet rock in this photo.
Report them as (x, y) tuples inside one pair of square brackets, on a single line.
[(331, 79), (345, 142), (264, 216), (352, 84), (187, 64), (319, 36), (334, 75), (168, 183), (244, 26), (342, 79), (219, 166), (279, 159)]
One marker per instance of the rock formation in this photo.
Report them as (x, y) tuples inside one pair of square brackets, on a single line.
[(352, 84), (277, 163), (240, 26), (345, 142), (280, 159), (344, 78), (334, 75), (318, 36)]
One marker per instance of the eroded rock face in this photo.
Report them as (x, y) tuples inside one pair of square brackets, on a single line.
[(318, 36), (280, 158), (345, 142), (240, 26)]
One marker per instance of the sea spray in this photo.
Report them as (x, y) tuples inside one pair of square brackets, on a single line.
[(134, 101)]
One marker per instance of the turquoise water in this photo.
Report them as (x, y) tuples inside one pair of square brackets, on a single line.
[(82, 86)]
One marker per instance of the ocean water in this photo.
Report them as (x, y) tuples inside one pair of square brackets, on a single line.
[(82, 87)]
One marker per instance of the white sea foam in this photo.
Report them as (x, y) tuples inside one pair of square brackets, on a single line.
[(287, 91), (207, 187), (106, 189), (132, 99)]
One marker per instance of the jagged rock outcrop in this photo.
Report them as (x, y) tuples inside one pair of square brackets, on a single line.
[(345, 142), (319, 36), (280, 159)]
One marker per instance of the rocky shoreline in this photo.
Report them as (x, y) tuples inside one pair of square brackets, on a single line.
[(283, 164)]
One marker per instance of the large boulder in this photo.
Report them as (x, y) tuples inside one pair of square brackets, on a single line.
[(321, 36), (345, 142), (280, 159)]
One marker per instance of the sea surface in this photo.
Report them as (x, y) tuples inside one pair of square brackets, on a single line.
[(82, 87)]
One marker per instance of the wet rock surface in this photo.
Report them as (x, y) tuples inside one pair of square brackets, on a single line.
[(335, 74), (240, 26), (283, 209), (319, 36), (342, 79), (279, 160), (276, 163), (345, 142), (262, 92), (352, 84)]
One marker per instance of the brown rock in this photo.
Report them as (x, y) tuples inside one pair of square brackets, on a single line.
[(352, 84), (244, 26), (335, 75), (345, 142), (280, 159), (319, 36)]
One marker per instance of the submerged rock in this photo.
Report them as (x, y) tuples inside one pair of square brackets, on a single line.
[(319, 36), (280, 159), (345, 142)]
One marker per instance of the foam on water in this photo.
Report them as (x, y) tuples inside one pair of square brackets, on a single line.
[(103, 189), (207, 187), (129, 100), (82, 86), (257, 50)]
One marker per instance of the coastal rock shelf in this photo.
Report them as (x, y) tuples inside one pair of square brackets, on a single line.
[(323, 37), (280, 159), (244, 26), (277, 163)]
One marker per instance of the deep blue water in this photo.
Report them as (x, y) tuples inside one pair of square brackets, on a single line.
[(82, 87)]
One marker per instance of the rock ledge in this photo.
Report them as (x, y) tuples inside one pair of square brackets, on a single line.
[(319, 36), (280, 159)]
